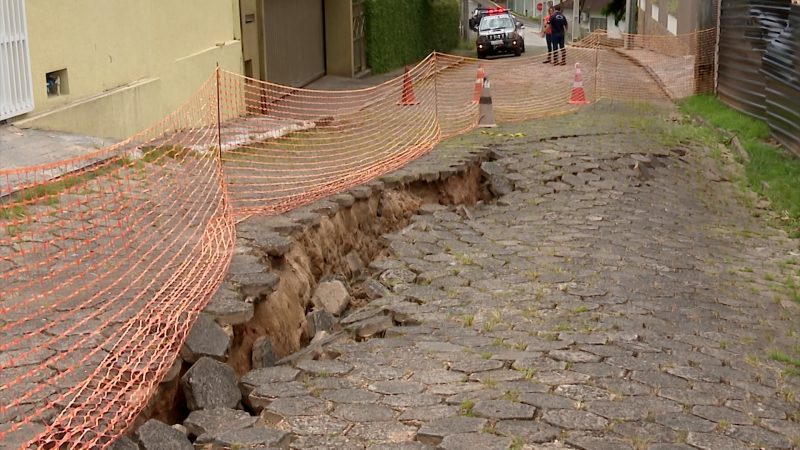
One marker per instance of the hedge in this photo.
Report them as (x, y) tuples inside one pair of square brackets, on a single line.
[(404, 31)]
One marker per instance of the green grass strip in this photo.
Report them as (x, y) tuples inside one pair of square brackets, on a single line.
[(771, 171)]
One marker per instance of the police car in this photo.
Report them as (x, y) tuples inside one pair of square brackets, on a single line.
[(498, 33)]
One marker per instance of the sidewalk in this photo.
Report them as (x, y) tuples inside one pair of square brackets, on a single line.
[(23, 148), (339, 83)]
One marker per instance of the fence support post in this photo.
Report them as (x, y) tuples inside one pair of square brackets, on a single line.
[(219, 119), (436, 90), (631, 10)]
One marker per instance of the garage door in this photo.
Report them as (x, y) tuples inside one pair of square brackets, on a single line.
[(295, 39)]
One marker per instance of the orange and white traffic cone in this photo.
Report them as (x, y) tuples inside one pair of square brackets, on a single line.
[(476, 96), (408, 98), (578, 96), (485, 111)]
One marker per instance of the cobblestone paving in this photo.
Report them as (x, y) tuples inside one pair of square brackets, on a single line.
[(596, 307), (619, 298)]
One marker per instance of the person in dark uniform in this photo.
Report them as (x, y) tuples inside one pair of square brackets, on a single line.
[(558, 28)]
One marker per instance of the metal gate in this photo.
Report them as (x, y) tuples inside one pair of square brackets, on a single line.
[(359, 38), (759, 62), (16, 90), (295, 40)]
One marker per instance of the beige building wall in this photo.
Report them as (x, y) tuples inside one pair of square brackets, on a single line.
[(128, 63)]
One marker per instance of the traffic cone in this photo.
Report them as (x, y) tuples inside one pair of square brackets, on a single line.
[(476, 96), (408, 98), (485, 113), (578, 96)]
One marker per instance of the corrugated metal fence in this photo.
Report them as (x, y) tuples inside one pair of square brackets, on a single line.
[(759, 63)]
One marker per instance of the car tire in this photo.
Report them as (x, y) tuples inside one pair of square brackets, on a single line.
[(518, 51), (523, 46), (481, 55)]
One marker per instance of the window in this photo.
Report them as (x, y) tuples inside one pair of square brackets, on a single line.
[(598, 23), (492, 22), (16, 91)]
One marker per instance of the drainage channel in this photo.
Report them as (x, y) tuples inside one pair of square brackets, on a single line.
[(299, 282)]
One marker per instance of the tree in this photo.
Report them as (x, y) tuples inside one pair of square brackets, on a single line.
[(615, 8)]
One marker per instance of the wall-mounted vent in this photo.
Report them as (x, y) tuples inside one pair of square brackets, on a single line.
[(57, 83)]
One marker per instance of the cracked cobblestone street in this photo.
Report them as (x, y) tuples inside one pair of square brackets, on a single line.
[(596, 306)]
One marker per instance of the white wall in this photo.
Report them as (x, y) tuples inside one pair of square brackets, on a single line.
[(615, 31)]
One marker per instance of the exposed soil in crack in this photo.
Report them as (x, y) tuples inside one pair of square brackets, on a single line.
[(337, 245), (322, 251)]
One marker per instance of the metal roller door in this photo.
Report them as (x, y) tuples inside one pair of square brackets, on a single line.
[(295, 40)]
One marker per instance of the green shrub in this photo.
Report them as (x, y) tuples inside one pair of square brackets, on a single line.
[(403, 32), (442, 25)]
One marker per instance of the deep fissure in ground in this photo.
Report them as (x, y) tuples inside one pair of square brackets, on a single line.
[(344, 246)]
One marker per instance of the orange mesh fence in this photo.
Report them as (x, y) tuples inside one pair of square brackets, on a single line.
[(680, 65), (321, 142), (103, 271), (104, 268)]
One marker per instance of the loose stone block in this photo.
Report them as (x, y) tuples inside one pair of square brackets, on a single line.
[(332, 296), (228, 308), (210, 384), (254, 281), (255, 437), (320, 320), (354, 263), (393, 277), (173, 371), (375, 289), (258, 377), (206, 338), (371, 327), (314, 367), (271, 243), (264, 395), (361, 314), (124, 443), (263, 354), (282, 408), (217, 420), (156, 435)]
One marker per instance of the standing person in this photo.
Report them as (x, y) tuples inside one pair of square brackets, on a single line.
[(548, 35), (558, 27)]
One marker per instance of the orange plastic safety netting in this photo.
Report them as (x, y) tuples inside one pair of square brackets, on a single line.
[(104, 268)]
